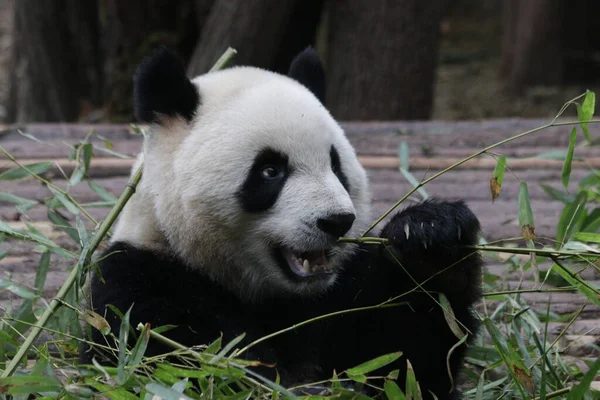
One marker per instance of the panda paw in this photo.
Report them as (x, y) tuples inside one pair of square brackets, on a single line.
[(432, 234)]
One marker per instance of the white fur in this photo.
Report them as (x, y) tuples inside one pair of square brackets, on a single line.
[(186, 202)]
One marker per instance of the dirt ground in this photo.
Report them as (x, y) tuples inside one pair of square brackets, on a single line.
[(467, 83)]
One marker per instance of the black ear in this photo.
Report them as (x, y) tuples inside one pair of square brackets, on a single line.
[(307, 69), (162, 88)]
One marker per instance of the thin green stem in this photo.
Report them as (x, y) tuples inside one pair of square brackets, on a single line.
[(519, 291), (320, 317), (539, 252), (556, 393)]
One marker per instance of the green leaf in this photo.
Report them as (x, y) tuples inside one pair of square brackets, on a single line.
[(374, 364), (414, 182), (65, 201), (123, 336), (449, 316), (591, 292), (525, 213), (592, 222), (413, 390), (585, 112), (392, 391), (23, 204), (104, 195), (63, 225), (140, 346), (578, 391), (166, 393), (592, 179), (509, 356), (29, 384), (558, 194), (497, 177), (572, 218), (20, 173), (403, 156), (227, 348), (24, 293), (42, 272), (587, 237), (566, 170)]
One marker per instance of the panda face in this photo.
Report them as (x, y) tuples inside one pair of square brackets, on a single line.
[(257, 186)]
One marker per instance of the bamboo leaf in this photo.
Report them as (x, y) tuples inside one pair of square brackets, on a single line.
[(413, 390), (558, 194), (585, 112), (123, 336), (374, 364), (497, 177), (571, 218), (64, 201), (166, 393), (42, 272), (104, 195), (587, 237), (591, 292), (392, 391), (23, 204), (95, 320), (566, 170), (24, 293), (525, 213), (450, 317), (403, 155), (20, 173)]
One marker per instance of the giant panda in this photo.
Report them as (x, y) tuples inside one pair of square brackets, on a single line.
[(248, 184)]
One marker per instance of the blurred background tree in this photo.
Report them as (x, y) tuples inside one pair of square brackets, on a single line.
[(70, 60)]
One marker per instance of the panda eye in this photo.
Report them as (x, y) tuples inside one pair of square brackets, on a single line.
[(271, 172)]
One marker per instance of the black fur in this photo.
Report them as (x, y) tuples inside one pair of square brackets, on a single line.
[(336, 166), (259, 193), (307, 69), (163, 292), (161, 87)]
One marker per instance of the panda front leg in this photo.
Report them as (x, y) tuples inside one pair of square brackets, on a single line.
[(430, 246), (431, 242)]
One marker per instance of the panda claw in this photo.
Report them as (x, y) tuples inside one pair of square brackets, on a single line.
[(406, 231)]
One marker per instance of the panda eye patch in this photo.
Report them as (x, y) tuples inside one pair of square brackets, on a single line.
[(264, 181), (336, 167)]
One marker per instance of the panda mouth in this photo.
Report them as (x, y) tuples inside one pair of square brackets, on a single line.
[(306, 264)]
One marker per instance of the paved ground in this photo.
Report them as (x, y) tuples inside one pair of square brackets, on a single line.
[(433, 146)]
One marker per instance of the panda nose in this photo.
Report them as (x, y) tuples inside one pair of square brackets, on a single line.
[(336, 224)]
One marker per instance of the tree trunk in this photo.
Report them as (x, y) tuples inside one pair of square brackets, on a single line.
[(253, 27), (381, 58), (55, 71), (532, 44), (132, 30)]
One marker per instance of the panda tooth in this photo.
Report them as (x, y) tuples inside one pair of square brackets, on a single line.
[(306, 266)]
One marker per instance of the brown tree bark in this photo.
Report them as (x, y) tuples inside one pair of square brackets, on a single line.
[(254, 28), (132, 30), (55, 66), (532, 44), (381, 58)]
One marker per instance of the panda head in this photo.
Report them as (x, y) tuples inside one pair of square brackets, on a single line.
[(246, 176)]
